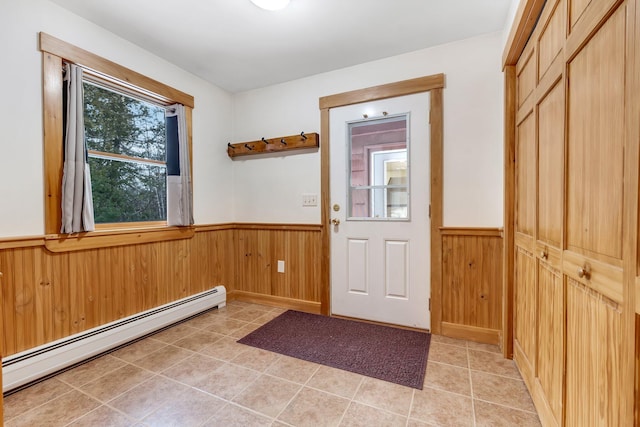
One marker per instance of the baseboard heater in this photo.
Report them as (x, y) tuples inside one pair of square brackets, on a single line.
[(33, 364)]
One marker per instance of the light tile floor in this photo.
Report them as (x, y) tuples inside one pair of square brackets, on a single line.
[(195, 374)]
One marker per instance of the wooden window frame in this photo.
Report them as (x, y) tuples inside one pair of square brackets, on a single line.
[(54, 52)]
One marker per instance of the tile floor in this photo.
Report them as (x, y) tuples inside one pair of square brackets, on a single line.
[(195, 374)]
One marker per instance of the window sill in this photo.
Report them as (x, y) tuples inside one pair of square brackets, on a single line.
[(109, 238)]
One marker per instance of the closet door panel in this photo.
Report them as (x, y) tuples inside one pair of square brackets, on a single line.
[(525, 307), (593, 357), (526, 176), (550, 361), (551, 165), (526, 82), (551, 37), (593, 256), (595, 169)]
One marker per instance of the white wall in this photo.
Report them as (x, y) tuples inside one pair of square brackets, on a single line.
[(269, 190), (511, 14), (252, 189), (21, 152)]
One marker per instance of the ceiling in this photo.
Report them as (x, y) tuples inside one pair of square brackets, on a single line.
[(237, 46)]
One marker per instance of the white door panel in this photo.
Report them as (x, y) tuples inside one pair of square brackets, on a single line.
[(380, 248)]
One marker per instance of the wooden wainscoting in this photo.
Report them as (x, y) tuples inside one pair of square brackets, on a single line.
[(472, 283), (259, 247), (47, 296)]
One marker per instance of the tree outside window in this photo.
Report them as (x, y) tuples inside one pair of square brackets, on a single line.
[(126, 141)]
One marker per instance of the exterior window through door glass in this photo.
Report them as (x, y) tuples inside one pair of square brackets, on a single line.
[(379, 169)]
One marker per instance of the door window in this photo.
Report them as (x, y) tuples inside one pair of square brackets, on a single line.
[(379, 169)]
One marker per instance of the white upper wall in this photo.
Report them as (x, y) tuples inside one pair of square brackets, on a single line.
[(253, 189), (270, 189), (511, 14), (21, 161)]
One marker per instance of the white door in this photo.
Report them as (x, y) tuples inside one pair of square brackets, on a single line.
[(380, 210)]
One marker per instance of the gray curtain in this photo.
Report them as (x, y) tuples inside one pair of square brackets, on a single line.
[(77, 201), (179, 192)]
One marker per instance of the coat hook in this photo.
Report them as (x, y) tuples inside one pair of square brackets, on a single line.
[(230, 146), (265, 141), (303, 135), (282, 142), (248, 147)]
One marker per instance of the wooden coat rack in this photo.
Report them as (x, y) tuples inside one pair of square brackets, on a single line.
[(273, 145)]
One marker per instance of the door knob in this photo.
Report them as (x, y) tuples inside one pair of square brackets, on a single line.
[(584, 271), (544, 254), (335, 221)]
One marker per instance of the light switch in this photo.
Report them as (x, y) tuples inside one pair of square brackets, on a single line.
[(280, 266), (309, 199)]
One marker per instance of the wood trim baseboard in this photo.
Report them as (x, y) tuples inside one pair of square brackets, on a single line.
[(471, 231), (471, 333), (275, 301), (278, 227)]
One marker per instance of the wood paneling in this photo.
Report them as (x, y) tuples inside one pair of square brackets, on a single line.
[(551, 38), (526, 78), (551, 166), (576, 9), (586, 109), (47, 296), (595, 171), (471, 279), (550, 362), (526, 176), (593, 358), (257, 255), (254, 261), (525, 323), (301, 253)]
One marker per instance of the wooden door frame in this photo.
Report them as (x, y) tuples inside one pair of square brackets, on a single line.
[(433, 84), (524, 23)]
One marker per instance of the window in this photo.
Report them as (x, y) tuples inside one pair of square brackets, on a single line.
[(136, 151), (126, 143), (379, 178)]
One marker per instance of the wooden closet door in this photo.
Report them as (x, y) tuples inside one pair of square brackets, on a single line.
[(551, 309), (593, 255)]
